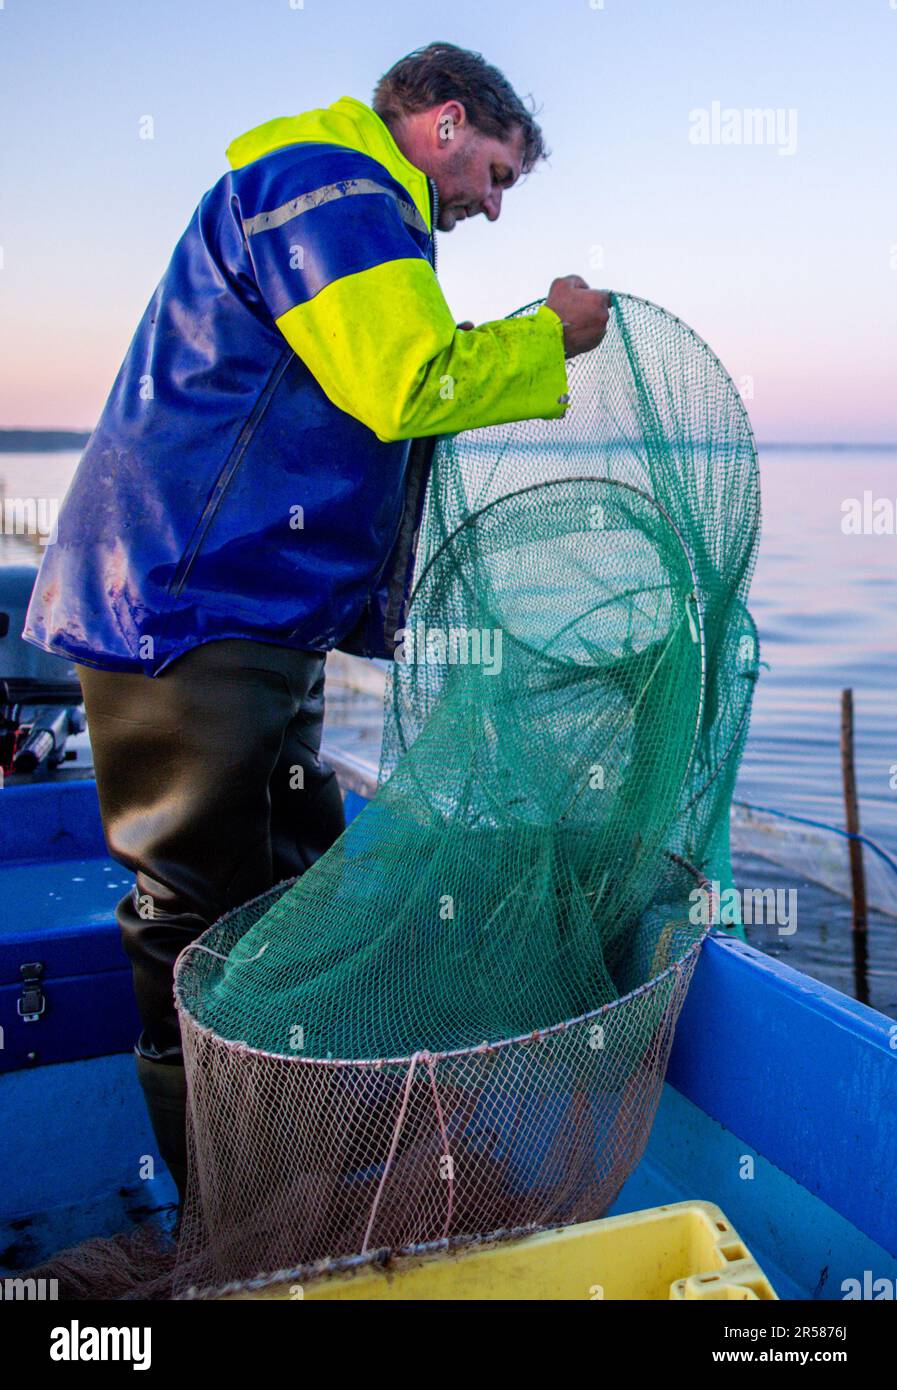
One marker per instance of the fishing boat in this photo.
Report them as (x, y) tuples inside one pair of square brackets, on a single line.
[(780, 1105)]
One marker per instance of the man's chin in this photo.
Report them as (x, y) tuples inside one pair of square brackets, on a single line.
[(447, 221)]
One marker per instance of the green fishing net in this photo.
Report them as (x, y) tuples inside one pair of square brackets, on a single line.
[(459, 1018)]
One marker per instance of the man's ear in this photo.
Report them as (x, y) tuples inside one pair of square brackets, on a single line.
[(450, 118)]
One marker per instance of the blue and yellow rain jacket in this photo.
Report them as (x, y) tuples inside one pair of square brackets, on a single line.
[(252, 474)]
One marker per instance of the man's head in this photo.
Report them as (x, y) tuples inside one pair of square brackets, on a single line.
[(460, 120)]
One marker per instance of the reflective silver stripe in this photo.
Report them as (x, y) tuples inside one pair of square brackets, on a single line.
[(266, 221)]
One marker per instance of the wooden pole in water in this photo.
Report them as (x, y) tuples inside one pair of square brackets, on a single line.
[(852, 812)]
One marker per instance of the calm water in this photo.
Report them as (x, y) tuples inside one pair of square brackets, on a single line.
[(826, 608)]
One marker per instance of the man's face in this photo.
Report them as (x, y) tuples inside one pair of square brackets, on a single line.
[(474, 173), (471, 170)]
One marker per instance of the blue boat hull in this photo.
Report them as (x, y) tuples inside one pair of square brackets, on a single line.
[(780, 1104)]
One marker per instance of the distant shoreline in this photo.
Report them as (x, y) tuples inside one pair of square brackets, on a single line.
[(41, 441), (60, 441), (884, 447)]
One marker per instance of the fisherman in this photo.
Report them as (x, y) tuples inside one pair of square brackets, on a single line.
[(251, 495)]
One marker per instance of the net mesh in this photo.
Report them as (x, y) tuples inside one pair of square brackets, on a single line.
[(458, 1020)]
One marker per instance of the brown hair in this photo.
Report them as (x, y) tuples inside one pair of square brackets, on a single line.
[(442, 72)]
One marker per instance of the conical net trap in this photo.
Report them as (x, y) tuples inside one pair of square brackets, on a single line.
[(459, 1019)]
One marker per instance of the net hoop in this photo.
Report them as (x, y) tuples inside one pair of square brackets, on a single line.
[(604, 481), (236, 1045)]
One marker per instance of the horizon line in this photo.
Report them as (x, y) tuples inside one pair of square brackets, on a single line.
[(883, 444)]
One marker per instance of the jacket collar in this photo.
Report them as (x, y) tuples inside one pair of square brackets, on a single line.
[(347, 122)]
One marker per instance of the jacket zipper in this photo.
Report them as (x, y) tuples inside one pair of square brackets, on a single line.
[(434, 215), (225, 477)]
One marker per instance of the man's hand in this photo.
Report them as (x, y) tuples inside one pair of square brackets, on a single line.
[(583, 312)]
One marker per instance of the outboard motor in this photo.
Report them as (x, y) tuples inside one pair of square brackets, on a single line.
[(40, 698)]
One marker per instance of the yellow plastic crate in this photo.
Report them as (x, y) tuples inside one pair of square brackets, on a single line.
[(684, 1251)]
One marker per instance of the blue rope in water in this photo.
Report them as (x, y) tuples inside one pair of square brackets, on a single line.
[(821, 825)]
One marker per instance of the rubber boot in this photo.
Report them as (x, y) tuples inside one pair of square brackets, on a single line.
[(164, 1086)]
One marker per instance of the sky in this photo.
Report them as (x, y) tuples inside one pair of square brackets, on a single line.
[(781, 251)]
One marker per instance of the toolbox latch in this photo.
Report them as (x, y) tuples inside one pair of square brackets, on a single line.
[(33, 1001)]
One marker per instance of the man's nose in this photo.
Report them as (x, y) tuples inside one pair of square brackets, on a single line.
[(492, 205)]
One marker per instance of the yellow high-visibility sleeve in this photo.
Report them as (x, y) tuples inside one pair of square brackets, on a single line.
[(384, 347)]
